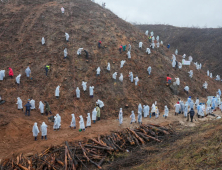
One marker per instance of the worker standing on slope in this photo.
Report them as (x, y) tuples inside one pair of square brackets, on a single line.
[(73, 122), (120, 116), (192, 113), (35, 130), (99, 44), (47, 67), (98, 112), (47, 108), (120, 49), (132, 116), (28, 108), (168, 79), (44, 130), (11, 74), (177, 108)]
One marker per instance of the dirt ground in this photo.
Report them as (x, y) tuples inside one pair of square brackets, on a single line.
[(21, 140)]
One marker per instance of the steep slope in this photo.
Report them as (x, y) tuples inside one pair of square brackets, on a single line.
[(205, 45), (23, 24)]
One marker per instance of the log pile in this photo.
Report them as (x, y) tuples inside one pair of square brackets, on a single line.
[(78, 155)]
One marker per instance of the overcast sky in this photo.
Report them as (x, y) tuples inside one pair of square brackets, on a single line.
[(202, 13)]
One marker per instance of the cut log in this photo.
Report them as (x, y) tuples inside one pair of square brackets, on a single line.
[(99, 147), (134, 133), (66, 152)]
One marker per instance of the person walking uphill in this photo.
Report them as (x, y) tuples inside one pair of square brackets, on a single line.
[(35, 130), (192, 113), (98, 112), (47, 67), (28, 108), (47, 109), (10, 73)]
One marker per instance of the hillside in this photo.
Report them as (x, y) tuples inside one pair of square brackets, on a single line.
[(23, 24), (204, 45)]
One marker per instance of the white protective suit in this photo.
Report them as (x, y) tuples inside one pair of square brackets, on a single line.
[(201, 111), (153, 45), (108, 67), (136, 80), (176, 51), (184, 56), (166, 111), (129, 49), (57, 91), (208, 73), (185, 109), (128, 54), (56, 123), (197, 102), (41, 107), (180, 65), (153, 39), (91, 90), (140, 108), (139, 117), (65, 52), (121, 77), (62, 10), (173, 63), (132, 116), (77, 92), (149, 70), (44, 129), (84, 85), (157, 38), (81, 123), (177, 108), (2, 74), (174, 57), (140, 44), (177, 81), (98, 71), (122, 63), (190, 73), (205, 85), (17, 79), (153, 108), (35, 130), (88, 122), (147, 32), (67, 36), (186, 88), (148, 51), (157, 44), (190, 58), (161, 42), (19, 103), (114, 75), (217, 77), (152, 33), (59, 119), (100, 103), (120, 116), (200, 66), (27, 72), (145, 110), (211, 75), (94, 114), (79, 51), (73, 122), (32, 102), (43, 40), (131, 76)]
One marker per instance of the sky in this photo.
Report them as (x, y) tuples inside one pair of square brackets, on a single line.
[(181, 13)]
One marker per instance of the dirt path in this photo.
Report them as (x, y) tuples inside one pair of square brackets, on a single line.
[(21, 140)]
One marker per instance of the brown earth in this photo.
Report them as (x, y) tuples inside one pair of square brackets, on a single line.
[(22, 25)]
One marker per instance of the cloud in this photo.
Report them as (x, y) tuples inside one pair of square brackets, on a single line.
[(173, 12)]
